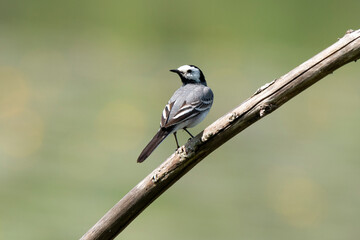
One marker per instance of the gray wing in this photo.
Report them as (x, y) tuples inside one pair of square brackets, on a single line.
[(180, 109)]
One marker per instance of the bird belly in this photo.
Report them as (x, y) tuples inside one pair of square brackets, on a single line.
[(193, 121)]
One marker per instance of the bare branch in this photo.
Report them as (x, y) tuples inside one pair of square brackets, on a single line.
[(264, 101)]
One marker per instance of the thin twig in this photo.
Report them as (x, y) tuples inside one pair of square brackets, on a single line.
[(265, 100)]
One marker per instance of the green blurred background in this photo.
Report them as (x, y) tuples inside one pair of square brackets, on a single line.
[(82, 88)]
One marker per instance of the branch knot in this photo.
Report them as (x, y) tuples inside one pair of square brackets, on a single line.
[(266, 108)]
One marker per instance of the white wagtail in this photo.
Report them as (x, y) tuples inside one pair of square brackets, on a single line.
[(186, 108)]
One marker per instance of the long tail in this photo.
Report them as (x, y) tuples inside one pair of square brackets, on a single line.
[(157, 139)]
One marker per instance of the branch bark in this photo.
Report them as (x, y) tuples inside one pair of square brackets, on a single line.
[(264, 101)]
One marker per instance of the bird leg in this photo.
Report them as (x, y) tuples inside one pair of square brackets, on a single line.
[(177, 144), (188, 133)]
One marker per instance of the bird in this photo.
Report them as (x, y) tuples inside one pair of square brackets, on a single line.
[(187, 107)]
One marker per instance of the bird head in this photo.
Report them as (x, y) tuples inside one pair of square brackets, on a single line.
[(190, 74)]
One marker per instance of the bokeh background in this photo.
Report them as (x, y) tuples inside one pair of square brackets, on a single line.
[(82, 88)]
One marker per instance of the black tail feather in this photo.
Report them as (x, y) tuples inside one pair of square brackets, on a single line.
[(157, 139)]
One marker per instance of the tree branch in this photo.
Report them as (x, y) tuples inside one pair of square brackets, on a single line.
[(264, 101)]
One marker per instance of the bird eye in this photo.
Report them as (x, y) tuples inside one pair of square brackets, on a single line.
[(189, 71)]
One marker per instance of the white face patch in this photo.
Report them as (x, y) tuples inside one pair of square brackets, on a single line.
[(189, 72)]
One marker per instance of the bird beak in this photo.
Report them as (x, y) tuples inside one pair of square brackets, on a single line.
[(175, 71)]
